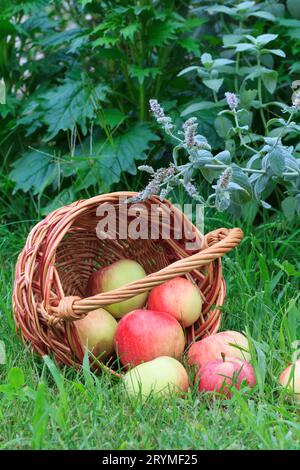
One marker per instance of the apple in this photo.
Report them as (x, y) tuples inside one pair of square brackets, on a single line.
[(220, 374), (161, 376), (96, 332), (116, 275), (211, 348), (290, 378), (180, 298), (143, 335)]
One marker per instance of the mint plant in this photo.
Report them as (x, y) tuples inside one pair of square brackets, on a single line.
[(235, 184)]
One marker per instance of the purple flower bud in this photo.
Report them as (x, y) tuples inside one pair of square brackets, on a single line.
[(232, 100)]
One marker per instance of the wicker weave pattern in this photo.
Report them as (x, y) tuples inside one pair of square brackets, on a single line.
[(63, 250)]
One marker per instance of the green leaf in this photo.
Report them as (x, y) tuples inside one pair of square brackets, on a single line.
[(67, 196), (240, 178), (192, 68), (214, 83), (277, 161), (266, 15), (287, 267), (221, 62), (269, 79), (16, 377), (223, 126), (73, 102), (277, 52), (129, 31), (242, 47), (203, 105), (264, 39), (111, 159), (294, 8), (190, 45), (288, 206), (112, 117), (141, 73), (35, 170)]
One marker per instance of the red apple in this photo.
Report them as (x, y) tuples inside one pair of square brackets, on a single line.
[(211, 348), (96, 332), (221, 374), (143, 335), (180, 298), (290, 378), (116, 275), (161, 376)]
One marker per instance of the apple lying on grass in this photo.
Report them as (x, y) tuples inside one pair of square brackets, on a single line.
[(290, 379), (116, 275), (143, 335), (230, 343), (222, 374), (180, 298), (161, 376), (96, 332)]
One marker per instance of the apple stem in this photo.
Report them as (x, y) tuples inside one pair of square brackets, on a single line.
[(223, 356)]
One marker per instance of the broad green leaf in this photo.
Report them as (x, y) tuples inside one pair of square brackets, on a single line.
[(240, 178), (242, 47), (141, 73), (203, 105), (287, 267), (16, 377), (264, 39), (192, 68), (277, 161), (67, 196), (294, 8), (277, 52), (269, 79), (112, 117), (231, 39), (266, 15), (34, 171), (129, 31), (247, 97), (221, 62), (214, 83), (288, 206), (223, 126), (190, 45), (111, 159), (72, 103)]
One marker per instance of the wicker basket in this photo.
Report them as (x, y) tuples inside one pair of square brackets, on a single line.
[(63, 250)]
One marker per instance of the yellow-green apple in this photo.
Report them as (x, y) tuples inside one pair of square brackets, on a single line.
[(222, 374), (290, 378), (116, 275), (96, 332), (230, 343), (143, 335), (161, 376), (180, 298)]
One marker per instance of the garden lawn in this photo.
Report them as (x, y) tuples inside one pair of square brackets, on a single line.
[(44, 407)]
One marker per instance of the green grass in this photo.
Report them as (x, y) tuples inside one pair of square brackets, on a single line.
[(43, 407)]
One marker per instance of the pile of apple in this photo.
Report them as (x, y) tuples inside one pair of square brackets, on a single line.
[(146, 333)]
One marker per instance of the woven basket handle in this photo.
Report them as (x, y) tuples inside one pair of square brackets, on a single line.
[(217, 244)]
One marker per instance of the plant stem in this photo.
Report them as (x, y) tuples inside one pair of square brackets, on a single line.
[(259, 89)]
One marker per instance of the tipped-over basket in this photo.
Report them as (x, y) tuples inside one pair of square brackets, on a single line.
[(63, 250)]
